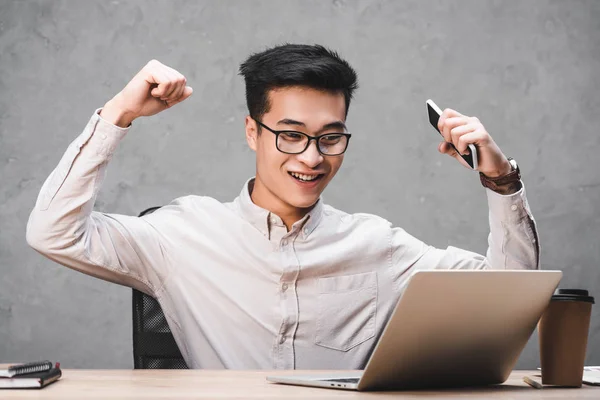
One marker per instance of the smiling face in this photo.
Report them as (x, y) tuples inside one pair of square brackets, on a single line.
[(290, 184)]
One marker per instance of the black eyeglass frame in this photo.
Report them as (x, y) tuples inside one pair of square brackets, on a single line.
[(310, 138)]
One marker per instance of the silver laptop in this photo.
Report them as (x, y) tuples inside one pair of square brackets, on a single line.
[(449, 329)]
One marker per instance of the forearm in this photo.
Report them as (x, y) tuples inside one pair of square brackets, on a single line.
[(114, 113)]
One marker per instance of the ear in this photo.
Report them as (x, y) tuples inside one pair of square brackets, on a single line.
[(251, 132)]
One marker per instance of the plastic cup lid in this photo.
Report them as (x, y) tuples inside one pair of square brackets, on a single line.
[(572, 295)]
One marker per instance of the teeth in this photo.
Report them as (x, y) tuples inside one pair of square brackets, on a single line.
[(304, 177)]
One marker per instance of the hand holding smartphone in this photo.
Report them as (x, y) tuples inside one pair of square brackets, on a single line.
[(434, 116)]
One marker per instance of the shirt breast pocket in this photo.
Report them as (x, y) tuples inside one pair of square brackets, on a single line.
[(346, 310)]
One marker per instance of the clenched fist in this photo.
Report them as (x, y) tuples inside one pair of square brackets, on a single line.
[(154, 89)]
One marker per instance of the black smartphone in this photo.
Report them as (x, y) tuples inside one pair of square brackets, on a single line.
[(435, 113)]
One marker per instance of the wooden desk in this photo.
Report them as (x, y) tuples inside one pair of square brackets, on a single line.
[(196, 384)]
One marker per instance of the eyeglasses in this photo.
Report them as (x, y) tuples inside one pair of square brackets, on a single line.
[(292, 142)]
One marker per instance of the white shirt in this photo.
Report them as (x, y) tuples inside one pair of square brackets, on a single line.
[(237, 289)]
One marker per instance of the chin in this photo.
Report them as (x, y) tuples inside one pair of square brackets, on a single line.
[(304, 203)]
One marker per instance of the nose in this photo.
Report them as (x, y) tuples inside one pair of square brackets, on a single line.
[(311, 156)]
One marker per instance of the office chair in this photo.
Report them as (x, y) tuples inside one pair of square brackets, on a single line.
[(153, 344)]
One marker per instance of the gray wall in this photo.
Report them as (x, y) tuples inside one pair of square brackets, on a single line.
[(528, 70)]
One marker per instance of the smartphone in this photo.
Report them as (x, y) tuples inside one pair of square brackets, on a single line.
[(434, 116)]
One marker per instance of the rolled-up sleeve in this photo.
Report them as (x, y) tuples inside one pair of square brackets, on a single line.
[(63, 226)]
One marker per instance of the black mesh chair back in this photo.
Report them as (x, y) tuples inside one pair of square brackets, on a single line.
[(153, 344)]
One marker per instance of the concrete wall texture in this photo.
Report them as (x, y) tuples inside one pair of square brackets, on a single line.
[(528, 70)]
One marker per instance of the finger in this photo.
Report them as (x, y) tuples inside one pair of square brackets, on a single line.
[(447, 113), (169, 94), (440, 125), (173, 85), (459, 131), (178, 92), (186, 93), (462, 129), (180, 88), (446, 148), (469, 138), (156, 70), (164, 84), (148, 70), (451, 123), (178, 82)]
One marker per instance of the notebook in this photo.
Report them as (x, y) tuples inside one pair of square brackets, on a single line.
[(591, 376), (28, 368), (33, 375)]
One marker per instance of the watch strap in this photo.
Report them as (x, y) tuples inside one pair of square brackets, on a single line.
[(513, 176)]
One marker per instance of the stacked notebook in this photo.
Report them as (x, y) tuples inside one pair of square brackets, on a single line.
[(30, 375)]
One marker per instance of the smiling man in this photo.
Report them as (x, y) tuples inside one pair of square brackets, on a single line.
[(275, 278), (291, 171)]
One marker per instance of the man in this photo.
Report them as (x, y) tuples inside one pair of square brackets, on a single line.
[(274, 279)]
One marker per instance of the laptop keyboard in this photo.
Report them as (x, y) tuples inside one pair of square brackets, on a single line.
[(348, 380)]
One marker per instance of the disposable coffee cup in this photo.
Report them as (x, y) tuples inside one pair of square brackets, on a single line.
[(563, 333)]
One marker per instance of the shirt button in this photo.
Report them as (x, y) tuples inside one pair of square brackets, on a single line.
[(284, 287), (513, 207), (306, 231), (282, 340), (273, 220), (103, 136)]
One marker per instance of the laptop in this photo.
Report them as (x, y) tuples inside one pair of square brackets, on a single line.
[(450, 329)]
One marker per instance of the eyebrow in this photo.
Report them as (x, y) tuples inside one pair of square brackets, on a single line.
[(332, 125)]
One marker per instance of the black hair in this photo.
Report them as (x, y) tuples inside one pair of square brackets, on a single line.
[(288, 65)]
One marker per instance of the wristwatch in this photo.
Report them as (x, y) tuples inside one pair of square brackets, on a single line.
[(514, 176)]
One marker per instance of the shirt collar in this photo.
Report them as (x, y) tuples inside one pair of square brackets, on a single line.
[(259, 217)]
